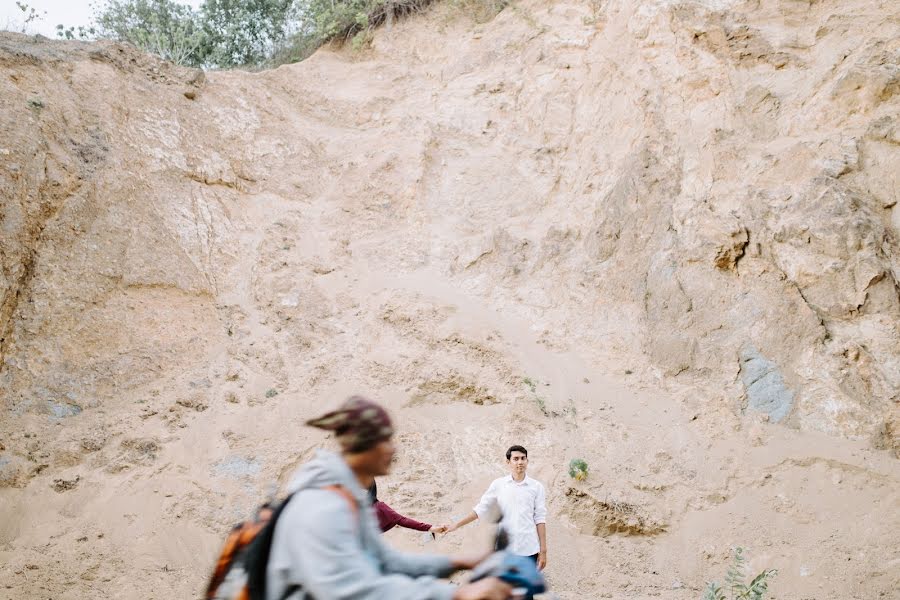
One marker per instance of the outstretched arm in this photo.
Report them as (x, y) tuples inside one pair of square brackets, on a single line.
[(472, 516), (413, 524), (388, 517), (488, 501)]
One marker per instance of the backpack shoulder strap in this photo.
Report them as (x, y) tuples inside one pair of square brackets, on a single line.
[(258, 557), (346, 495)]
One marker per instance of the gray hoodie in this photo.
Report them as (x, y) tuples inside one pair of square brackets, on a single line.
[(336, 553)]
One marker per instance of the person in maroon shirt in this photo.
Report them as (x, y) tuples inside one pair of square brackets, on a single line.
[(388, 518)]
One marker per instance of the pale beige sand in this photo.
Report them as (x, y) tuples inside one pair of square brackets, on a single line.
[(563, 228)]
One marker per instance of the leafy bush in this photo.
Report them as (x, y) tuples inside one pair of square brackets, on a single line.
[(221, 33), (322, 21), (319, 21), (578, 469), (230, 33), (168, 29), (244, 32), (735, 588)]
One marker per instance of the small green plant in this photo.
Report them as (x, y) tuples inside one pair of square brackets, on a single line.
[(578, 469), (271, 393), (363, 39), (735, 587), (532, 386)]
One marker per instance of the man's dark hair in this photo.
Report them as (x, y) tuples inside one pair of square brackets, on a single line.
[(516, 448), (373, 493)]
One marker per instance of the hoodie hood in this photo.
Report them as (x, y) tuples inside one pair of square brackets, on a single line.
[(327, 468)]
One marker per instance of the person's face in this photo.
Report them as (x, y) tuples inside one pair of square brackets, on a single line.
[(377, 459), (517, 462)]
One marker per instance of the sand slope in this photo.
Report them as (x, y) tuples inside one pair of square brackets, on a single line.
[(660, 236)]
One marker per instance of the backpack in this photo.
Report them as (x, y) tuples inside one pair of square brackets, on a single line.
[(240, 572)]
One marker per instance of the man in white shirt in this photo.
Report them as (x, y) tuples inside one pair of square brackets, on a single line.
[(522, 502)]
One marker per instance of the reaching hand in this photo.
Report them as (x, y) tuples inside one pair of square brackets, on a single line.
[(490, 588), (438, 529), (450, 528)]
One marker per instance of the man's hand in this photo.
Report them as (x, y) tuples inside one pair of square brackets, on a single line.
[(490, 588), (542, 560), (438, 529)]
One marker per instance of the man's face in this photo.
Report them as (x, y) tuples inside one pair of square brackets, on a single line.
[(517, 462), (377, 460)]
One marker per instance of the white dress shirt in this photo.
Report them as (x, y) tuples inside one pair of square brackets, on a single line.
[(524, 507)]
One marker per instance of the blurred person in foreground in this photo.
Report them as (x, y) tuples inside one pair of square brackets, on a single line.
[(327, 543)]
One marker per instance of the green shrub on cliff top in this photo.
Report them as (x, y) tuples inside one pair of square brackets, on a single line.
[(253, 33)]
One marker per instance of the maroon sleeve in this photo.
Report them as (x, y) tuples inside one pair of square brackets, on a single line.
[(412, 524), (388, 517)]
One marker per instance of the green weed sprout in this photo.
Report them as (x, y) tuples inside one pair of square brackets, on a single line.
[(578, 469), (735, 587)]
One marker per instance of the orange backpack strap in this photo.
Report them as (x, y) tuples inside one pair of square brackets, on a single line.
[(240, 537), (345, 493)]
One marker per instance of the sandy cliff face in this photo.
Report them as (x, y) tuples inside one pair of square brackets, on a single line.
[(661, 236)]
